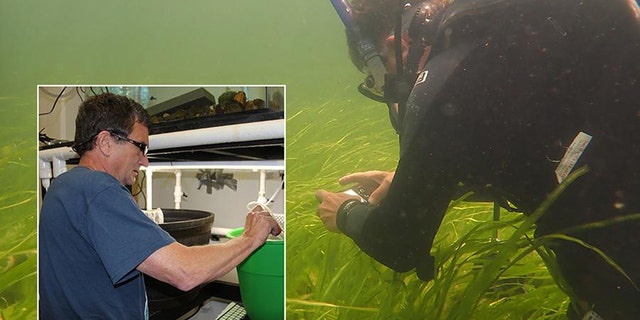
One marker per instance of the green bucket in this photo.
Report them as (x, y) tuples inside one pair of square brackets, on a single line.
[(261, 278)]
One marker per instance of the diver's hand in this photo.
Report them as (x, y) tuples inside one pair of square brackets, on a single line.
[(328, 208), (375, 182)]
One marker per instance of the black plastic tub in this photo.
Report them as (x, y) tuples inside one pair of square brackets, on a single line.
[(190, 228)]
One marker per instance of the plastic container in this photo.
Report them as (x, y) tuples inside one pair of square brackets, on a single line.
[(190, 228), (261, 278)]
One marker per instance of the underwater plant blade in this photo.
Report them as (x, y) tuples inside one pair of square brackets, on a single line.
[(491, 271)]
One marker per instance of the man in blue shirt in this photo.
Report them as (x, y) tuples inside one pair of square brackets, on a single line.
[(94, 241)]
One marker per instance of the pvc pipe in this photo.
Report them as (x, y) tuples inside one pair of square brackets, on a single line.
[(59, 166), (62, 153), (261, 190), (45, 173), (259, 130), (273, 165), (177, 191), (220, 231), (53, 163), (149, 189)]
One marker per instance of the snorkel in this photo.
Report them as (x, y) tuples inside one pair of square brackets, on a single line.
[(365, 47)]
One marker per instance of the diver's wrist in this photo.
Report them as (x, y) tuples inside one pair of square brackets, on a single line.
[(344, 210)]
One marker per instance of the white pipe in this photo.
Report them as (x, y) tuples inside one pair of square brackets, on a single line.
[(259, 130), (45, 173), (54, 157), (273, 165), (62, 153), (149, 189), (261, 191), (220, 231), (59, 166), (177, 191)]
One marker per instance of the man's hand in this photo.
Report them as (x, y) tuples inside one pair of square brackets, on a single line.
[(328, 208), (259, 224), (375, 182)]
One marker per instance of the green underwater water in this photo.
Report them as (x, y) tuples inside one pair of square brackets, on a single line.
[(17, 219)]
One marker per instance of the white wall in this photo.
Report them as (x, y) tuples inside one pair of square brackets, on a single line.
[(229, 207), (59, 124)]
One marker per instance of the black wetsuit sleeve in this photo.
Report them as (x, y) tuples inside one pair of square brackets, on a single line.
[(351, 217)]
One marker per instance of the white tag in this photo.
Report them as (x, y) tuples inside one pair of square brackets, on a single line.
[(591, 315), (572, 155), (422, 77)]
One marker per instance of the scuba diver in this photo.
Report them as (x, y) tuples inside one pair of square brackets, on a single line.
[(506, 98)]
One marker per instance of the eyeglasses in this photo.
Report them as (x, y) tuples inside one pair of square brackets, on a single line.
[(141, 145)]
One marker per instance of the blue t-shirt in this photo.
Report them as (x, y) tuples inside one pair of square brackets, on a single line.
[(92, 236)]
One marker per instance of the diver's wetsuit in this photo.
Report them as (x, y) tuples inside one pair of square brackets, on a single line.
[(508, 86)]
